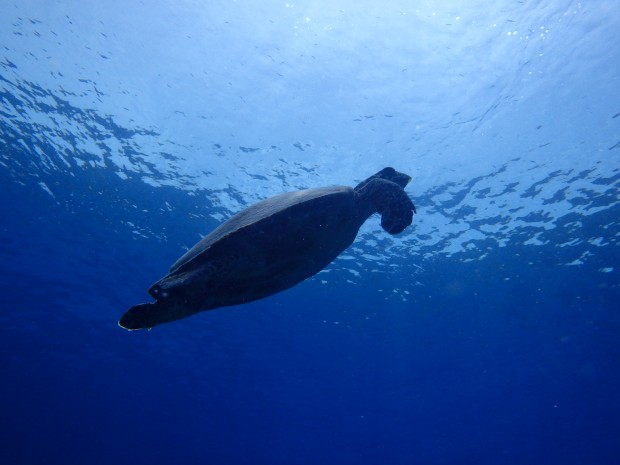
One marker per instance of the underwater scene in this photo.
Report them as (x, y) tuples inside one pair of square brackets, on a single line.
[(403, 218)]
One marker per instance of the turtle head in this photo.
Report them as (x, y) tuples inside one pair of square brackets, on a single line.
[(384, 193), (388, 174)]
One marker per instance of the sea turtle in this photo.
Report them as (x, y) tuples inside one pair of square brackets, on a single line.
[(271, 246)]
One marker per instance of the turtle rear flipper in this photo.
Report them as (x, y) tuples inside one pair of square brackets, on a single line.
[(145, 316)]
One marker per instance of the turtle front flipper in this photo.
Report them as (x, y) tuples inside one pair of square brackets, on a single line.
[(391, 201), (145, 316)]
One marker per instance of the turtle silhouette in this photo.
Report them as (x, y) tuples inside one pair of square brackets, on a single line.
[(272, 246)]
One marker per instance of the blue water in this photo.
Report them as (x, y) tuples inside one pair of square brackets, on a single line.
[(486, 333)]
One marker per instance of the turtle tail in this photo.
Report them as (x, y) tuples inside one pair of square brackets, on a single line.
[(391, 201), (145, 316)]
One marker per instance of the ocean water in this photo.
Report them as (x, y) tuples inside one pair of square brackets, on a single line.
[(486, 333)]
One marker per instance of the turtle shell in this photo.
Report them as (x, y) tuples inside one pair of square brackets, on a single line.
[(266, 248)]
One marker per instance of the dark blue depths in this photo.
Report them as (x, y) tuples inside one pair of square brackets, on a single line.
[(510, 359)]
